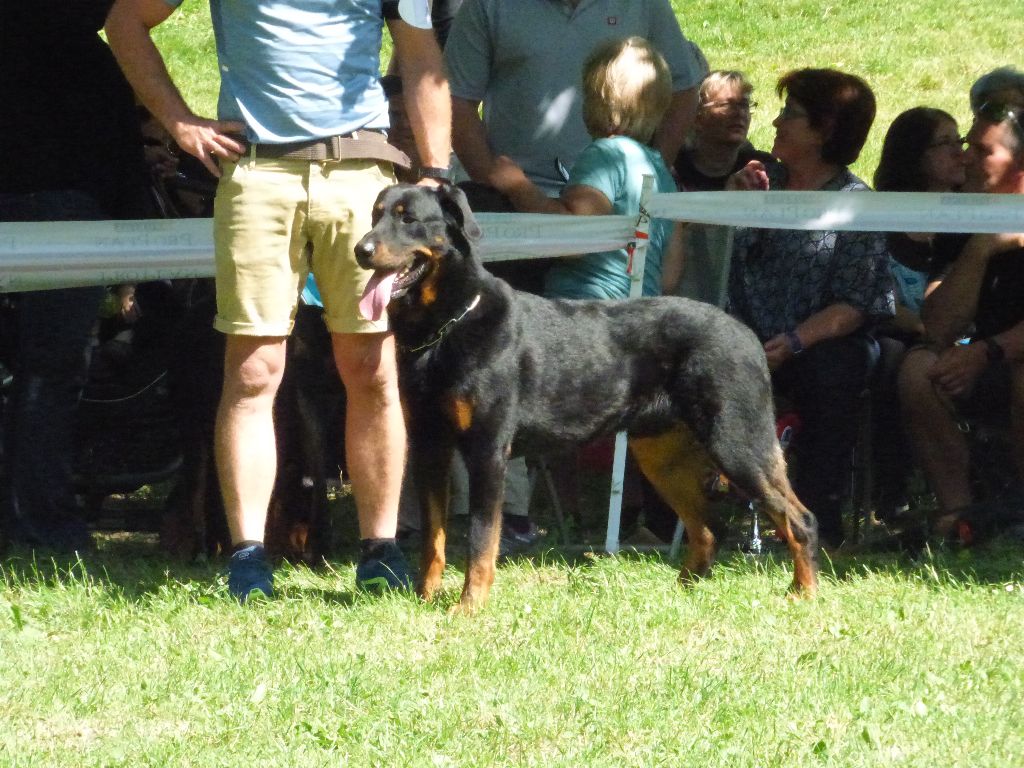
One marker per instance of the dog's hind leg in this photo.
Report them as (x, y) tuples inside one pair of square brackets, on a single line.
[(431, 468), (794, 521), (676, 466), (486, 494)]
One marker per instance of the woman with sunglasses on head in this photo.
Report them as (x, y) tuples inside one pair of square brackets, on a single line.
[(922, 152), (812, 296)]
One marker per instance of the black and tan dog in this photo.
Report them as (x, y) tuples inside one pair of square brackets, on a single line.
[(493, 372)]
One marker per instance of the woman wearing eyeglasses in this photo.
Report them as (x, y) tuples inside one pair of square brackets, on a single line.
[(922, 152), (716, 148), (812, 296)]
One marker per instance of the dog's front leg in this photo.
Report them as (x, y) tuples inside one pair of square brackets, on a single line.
[(431, 466), (486, 468)]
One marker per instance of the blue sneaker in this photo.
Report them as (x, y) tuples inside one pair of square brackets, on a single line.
[(249, 572), (385, 569)]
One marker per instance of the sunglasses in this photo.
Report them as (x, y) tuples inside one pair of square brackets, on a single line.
[(994, 112)]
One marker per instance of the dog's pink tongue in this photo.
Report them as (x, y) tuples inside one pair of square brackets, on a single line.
[(377, 295)]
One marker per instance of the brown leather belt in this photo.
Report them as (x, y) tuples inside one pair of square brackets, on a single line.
[(358, 145)]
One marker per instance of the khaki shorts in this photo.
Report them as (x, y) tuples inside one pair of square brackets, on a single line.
[(277, 220)]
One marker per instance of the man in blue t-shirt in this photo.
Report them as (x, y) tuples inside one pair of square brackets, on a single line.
[(301, 153)]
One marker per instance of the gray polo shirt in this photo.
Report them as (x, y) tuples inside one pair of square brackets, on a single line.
[(524, 60)]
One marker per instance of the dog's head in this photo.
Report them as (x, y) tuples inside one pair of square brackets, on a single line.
[(417, 233)]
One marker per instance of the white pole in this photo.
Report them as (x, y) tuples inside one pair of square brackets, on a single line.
[(637, 250)]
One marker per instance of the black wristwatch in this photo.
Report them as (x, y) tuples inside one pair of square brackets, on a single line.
[(993, 350), (433, 172)]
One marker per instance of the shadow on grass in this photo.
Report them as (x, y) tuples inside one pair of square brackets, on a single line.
[(138, 569)]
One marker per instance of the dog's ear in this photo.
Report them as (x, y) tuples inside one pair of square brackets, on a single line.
[(453, 202)]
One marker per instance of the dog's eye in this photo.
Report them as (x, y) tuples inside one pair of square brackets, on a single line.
[(408, 218)]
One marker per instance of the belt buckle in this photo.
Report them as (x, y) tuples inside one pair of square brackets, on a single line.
[(335, 147)]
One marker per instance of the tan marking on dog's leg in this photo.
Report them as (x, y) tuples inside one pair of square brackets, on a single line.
[(796, 525), (432, 559), (461, 413), (480, 574), (676, 465), (487, 493), (432, 482)]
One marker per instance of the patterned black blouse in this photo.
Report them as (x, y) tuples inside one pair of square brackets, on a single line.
[(780, 277)]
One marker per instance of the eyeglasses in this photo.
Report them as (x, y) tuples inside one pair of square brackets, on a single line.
[(789, 112), (739, 105), (994, 112), (957, 143)]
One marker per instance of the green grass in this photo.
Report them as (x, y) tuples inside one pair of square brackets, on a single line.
[(135, 660), (911, 52), (131, 659)]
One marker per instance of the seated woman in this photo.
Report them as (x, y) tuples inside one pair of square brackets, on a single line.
[(716, 148), (811, 296), (922, 152), (626, 90)]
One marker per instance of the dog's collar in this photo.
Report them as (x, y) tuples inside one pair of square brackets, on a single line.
[(444, 329)]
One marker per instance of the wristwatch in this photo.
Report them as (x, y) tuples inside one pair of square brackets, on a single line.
[(433, 172)]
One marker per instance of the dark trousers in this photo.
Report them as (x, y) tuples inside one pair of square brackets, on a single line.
[(52, 355), (824, 385)]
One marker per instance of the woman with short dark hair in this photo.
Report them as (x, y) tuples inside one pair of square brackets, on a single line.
[(812, 296)]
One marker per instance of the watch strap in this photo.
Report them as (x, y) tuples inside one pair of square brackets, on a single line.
[(435, 172)]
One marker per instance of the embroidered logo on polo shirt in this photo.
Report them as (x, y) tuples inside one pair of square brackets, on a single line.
[(612, 21)]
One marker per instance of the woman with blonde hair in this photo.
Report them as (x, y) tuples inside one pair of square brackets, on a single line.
[(626, 90)]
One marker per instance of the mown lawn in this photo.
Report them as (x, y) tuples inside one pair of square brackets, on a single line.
[(130, 659)]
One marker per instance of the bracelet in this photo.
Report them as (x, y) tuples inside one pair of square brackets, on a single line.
[(795, 345), (434, 172)]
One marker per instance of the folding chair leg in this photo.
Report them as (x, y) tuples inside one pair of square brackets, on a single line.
[(552, 489)]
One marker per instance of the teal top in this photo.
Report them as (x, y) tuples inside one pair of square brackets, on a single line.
[(614, 166), (299, 70)]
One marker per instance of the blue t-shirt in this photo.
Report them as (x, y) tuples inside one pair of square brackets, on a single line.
[(299, 70), (910, 285), (615, 167)]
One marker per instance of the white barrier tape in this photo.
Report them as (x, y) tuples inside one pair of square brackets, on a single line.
[(533, 235), (65, 254), (36, 256), (849, 211)]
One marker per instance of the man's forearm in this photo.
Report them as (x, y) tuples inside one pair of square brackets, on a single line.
[(950, 308), (127, 28), (425, 92), (1012, 342), (676, 124), (469, 138)]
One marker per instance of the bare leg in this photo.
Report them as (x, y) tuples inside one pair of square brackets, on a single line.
[(374, 429), (245, 447), (939, 445)]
